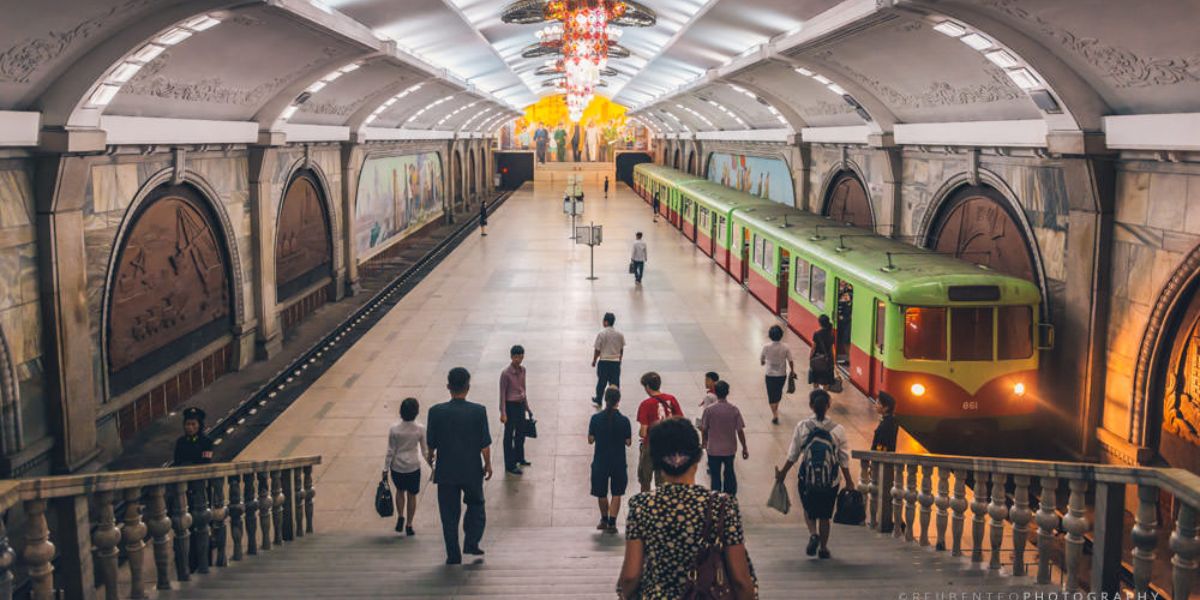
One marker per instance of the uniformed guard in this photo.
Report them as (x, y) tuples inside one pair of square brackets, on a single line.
[(193, 447)]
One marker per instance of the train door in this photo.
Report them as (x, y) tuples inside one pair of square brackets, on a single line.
[(712, 238), (877, 349), (785, 262), (845, 311), (744, 273)]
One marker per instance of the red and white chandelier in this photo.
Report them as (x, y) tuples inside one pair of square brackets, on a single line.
[(583, 33)]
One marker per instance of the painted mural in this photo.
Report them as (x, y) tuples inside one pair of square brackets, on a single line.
[(768, 178), (547, 129), (396, 196)]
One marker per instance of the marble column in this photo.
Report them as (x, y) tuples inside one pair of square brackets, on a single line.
[(264, 201)]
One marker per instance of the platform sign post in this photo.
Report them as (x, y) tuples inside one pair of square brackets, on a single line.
[(591, 235)]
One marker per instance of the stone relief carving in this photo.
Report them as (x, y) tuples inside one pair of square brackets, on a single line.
[(825, 109), (20, 61), (1123, 66), (151, 81), (938, 93), (333, 108)]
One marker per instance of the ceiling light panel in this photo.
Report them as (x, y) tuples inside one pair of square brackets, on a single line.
[(127, 68)]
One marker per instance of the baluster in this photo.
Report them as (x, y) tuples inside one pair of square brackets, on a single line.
[(8, 559), (1185, 546), (289, 504), (1047, 521), (309, 493), (236, 511), (201, 515), (998, 511), (942, 502), (181, 522), (1020, 516), (898, 500), (978, 515), (251, 514), (298, 481), (277, 507), (1075, 524), (160, 528), (219, 512), (926, 500), (958, 504), (1144, 536), (133, 537), (264, 509), (910, 503), (38, 551), (105, 538), (865, 488)]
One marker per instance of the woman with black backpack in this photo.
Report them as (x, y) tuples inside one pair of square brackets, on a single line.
[(821, 447)]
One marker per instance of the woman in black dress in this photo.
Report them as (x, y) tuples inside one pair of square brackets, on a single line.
[(483, 217), (824, 355)]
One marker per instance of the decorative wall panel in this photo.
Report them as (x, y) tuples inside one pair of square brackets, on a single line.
[(302, 248), (975, 226), (768, 178), (397, 195)]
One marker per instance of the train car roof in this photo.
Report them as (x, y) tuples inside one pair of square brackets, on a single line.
[(666, 174), (722, 197)]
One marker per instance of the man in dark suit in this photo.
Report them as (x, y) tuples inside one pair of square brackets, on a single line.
[(457, 436)]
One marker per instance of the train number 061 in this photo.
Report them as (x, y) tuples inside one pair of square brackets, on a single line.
[(970, 405)]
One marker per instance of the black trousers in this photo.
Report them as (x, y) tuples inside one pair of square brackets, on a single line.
[(607, 371), (451, 498), (720, 470), (639, 268), (514, 434)]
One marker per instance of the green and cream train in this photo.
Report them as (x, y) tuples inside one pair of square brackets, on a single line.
[(956, 344)]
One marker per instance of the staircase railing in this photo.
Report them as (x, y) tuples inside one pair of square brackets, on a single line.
[(1000, 491), (269, 502)]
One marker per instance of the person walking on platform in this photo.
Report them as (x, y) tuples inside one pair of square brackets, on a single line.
[(406, 448), (823, 450), (609, 350), (460, 444), (514, 406), (610, 432), (884, 440), (655, 205), (483, 217), (606, 186), (823, 360), (722, 428), (777, 357), (656, 407), (638, 258)]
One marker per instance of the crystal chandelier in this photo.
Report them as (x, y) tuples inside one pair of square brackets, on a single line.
[(583, 32)]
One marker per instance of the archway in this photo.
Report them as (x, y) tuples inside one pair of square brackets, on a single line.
[(847, 201), (691, 162), (675, 162), (471, 174), (303, 248), (171, 295), (456, 178), (12, 439), (976, 224)]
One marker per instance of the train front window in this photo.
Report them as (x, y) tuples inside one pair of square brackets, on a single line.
[(971, 333), (925, 333), (1016, 323)]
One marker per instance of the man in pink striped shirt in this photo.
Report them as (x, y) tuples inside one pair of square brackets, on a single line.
[(514, 407)]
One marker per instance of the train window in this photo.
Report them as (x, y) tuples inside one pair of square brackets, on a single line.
[(880, 315), (768, 259), (816, 291), (801, 277), (721, 228), (1017, 324), (971, 333), (758, 250), (925, 333)]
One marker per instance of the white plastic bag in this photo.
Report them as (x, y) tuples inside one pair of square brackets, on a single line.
[(779, 499)]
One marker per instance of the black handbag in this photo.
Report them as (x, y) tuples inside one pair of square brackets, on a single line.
[(791, 384), (530, 427), (836, 387), (632, 267), (851, 510), (384, 505)]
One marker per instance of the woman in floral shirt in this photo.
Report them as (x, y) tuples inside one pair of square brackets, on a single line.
[(664, 527)]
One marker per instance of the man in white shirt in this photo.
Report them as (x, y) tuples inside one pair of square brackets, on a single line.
[(609, 349), (638, 258)]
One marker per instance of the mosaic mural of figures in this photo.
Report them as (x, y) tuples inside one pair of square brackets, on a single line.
[(767, 178), (302, 250), (171, 282), (396, 196)]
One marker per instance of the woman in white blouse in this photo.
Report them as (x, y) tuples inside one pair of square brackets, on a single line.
[(406, 448), (777, 358)]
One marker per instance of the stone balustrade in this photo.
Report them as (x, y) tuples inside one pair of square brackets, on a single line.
[(175, 509), (1000, 505)]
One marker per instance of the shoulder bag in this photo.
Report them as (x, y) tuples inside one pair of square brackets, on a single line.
[(708, 578)]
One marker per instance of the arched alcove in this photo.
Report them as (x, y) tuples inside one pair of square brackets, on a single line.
[(976, 223), (847, 201)]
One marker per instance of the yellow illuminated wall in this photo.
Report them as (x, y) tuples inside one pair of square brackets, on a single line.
[(552, 110), (602, 118)]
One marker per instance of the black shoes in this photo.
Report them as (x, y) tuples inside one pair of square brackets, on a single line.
[(824, 554), (454, 560), (813, 542), (514, 471), (399, 524), (775, 421), (409, 531), (603, 526), (525, 463), (473, 551)]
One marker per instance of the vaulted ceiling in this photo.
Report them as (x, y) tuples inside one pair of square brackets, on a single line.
[(877, 67)]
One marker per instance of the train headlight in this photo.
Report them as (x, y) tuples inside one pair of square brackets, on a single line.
[(1019, 389), (917, 389)]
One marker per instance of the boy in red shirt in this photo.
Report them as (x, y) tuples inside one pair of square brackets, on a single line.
[(657, 407)]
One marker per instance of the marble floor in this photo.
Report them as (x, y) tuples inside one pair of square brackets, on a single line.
[(526, 283)]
